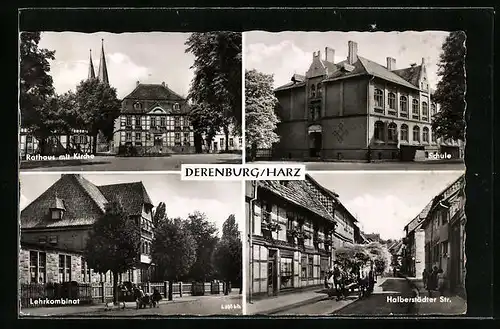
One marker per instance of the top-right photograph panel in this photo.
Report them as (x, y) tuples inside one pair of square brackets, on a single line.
[(356, 100)]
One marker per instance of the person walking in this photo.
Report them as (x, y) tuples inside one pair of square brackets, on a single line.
[(432, 281), (440, 282), (425, 275)]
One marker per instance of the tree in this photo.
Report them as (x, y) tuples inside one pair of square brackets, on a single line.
[(206, 123), (113, 244), (260, 107), (450, 92), (205, 235), (35, 85), (98, 107), (173, 250), (228, 253), (160, 213), (217, 73)]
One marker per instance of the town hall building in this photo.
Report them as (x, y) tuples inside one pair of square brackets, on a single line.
[(154, 120), (358, 109)]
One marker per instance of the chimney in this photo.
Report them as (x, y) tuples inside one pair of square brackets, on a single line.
[(329, 55), (352, 56), (137, 83), (391, 63), (316, 54), (423, 61), (163, 83)]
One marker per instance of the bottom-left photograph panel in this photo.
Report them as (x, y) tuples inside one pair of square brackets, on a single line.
[(115, 245)]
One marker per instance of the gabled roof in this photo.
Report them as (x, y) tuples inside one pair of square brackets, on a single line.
[(84, 202), (419, 219), (365, 67), (410, 74), (131, 195), (297, 192), (153, 92)]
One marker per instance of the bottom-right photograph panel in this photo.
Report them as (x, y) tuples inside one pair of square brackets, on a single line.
[(357, 243)]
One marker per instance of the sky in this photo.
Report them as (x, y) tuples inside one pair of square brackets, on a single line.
[(286, 53), (217, 200), (152, 57), (385, 202)]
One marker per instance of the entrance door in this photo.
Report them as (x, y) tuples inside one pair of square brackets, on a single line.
[(216, 148), (158, 141), (272, 275), (316, 140)]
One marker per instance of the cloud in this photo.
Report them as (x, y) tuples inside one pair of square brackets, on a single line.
[(122, 71), (23, 202), (216, 211), (385, 215), (282, 60)]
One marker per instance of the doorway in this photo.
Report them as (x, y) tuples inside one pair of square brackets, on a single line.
[(272, 274), (455, 262), (315, 144)]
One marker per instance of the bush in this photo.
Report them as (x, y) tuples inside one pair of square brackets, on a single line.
[(127, 150)]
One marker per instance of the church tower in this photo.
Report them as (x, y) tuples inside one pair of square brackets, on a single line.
[(103, 69), (91, 68)]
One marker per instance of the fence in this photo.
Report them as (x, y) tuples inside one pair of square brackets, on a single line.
[(94, 293)]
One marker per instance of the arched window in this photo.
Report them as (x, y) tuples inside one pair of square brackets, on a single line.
[(433, 109), (392, 132), (392, 101), (379, 98), (415, 109), (425, 109), (404, 132), (425, 135), (434, 137), (313, 90), (379, 131), (319, 89), (416, 134), (403, 106), (176, 106)]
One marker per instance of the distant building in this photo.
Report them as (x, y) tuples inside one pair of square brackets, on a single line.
[(154, 120), (414, 245), (55, 227), (358, 109), (294, 229), (218, 144)]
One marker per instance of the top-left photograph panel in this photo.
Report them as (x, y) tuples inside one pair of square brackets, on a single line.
[(129, 101)]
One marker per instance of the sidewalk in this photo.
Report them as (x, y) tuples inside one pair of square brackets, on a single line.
[(286, 301), (445, 304)]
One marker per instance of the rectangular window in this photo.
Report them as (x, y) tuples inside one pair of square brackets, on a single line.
[(137, 136), (286, 272), (128, 136), (222, 142), (444, 217), (86, 277), (231, 142), (163, 122), (138, 121), (310, 267), (38, 261), (128, 121), (304, 267), (240, 141), (64, 268)]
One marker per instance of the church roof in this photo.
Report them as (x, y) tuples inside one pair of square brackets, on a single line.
[(103, 68), (410, 74)]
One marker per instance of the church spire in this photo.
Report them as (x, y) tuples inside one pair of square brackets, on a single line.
[(91, 68), (103, 69)]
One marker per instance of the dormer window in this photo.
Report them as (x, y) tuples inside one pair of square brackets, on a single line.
[(176, 107), (57, 209), (137, 106)]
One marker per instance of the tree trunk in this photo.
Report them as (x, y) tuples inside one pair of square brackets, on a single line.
[(170, 289), (253, 152), (226, 133), (94, 144), (115, 288)]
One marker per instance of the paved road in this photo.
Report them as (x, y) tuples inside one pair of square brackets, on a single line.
[(111, 163), (206, 305), (456, 165), (376, 304)]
